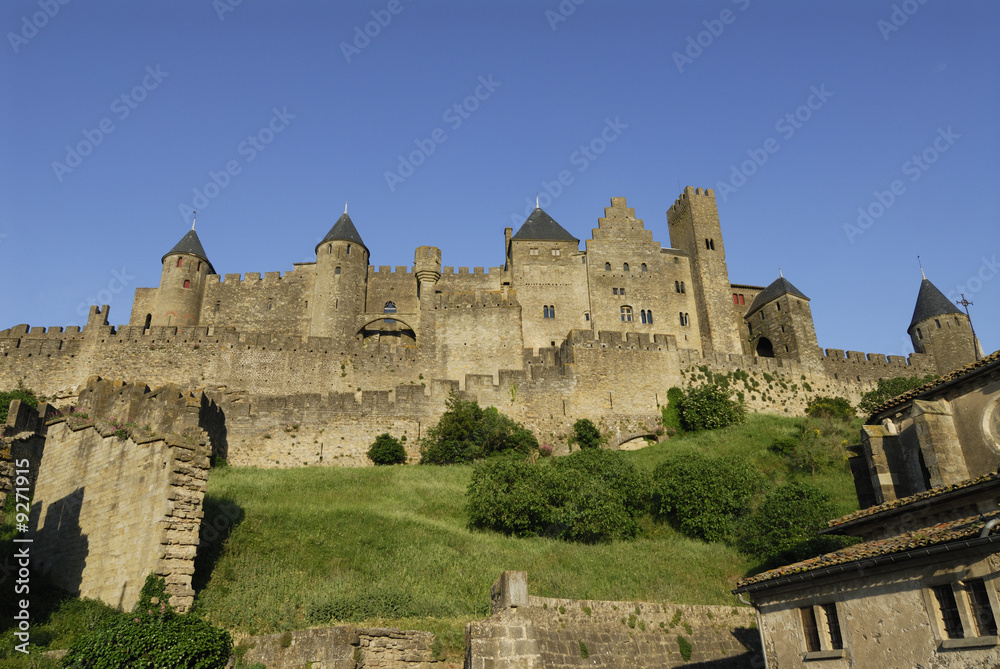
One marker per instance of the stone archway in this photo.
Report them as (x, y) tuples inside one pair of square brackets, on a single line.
[(765, 349)]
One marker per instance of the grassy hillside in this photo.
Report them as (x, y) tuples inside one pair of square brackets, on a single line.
[(390, 545)]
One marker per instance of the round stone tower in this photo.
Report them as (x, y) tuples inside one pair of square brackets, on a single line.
[(341, 281), (182, 284), (939, 329), (427, 269)]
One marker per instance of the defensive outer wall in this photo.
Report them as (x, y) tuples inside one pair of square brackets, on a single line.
[(290, 401)]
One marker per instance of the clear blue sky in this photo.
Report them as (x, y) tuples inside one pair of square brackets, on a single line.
[(332, 113)]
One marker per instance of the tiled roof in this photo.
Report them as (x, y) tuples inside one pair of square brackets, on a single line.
[(191, 245), (919, 497), (930, 302), (778, 287), (964, 528), (343, 230), (542, 227), (930, 385)]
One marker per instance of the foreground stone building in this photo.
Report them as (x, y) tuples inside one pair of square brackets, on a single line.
[(345, 350), (921, 589)]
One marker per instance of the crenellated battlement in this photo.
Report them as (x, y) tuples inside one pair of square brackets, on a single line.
[(388, 269), (446, 271)]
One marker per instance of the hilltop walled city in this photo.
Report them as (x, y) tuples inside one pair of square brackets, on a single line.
[(308, 366)]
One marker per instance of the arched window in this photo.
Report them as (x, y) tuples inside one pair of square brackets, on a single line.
[(607, 267), (684, 318), (187, 284), (329, 248), (549, 311), (198, 268), (625, 267), (649, 316), (938, 323), (642, 316), (642, 267), (149, 319), (677, 286), (336, 271), (682, 287), (626, 314), (180, 261), (389, 308)]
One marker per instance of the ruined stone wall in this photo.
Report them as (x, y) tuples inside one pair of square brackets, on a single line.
[(343, 647), (109, 511), (531, 632)]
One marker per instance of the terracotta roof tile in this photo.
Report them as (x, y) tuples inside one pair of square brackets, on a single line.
[(963, 528)]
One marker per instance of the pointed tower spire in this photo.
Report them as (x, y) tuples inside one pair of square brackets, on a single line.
[(194, 219), (345, 207), (924, 276)]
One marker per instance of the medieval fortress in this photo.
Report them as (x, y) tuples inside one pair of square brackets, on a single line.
[(309, 366)]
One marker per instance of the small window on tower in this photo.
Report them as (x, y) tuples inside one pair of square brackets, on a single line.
[(920, 335), (336, 271), (180, 261), (187, 284), (586, 315), (607, 267), (711, 244), (625, 267), (198, 268), (642, 268), (741, 299), (348, 249), (938, 323)]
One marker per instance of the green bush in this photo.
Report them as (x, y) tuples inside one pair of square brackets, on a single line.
[(709, 407), (153, 635), (830, 407), (704, 497), (789, 515), (822, 445), (589, 497), (671, 412), (467, 432), (9, 396), (387, 450), (889, 388), (586, 434)]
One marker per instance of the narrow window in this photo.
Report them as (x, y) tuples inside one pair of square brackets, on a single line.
[(626, 314), (833, 626), (552, 311), (642, 267), (982, 612), (218, 306), (920, 335), (614, 291), (625, 267), (187, 284), (779, 306), (706, 244), (677, 286), (329, 248), (545, 311), (149, 320), (736, 298), (336, 271), (198, 268), (607, 267), (750, 326), (621, 291), (950, 619), (270, 306), (687, 318), (809, 629), (180, 261), (586, 315), (642, 316), (348, 249), (741, 299), (682, 287), (711, 244), (938, 323), (649, 316)]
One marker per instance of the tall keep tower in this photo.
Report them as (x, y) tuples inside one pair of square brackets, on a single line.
[(182, 283), (940, 329), (341, 281), (695, 229)]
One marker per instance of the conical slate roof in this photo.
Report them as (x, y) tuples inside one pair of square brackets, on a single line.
[(343, 230), (191, 245), (542, 227), (930, 302), (779, 287)]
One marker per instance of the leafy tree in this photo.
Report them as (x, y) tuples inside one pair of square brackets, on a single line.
[(153, 635), (704, 497), (467, 432), (889, 388), (387, 450), (830, 407), (671, 411), (709, 407), (591, 496), (585, 434), (789, 515)]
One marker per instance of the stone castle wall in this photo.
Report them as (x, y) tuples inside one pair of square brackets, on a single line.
[(111, 507)]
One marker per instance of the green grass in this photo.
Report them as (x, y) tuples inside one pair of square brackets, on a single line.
[(389, 546)]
